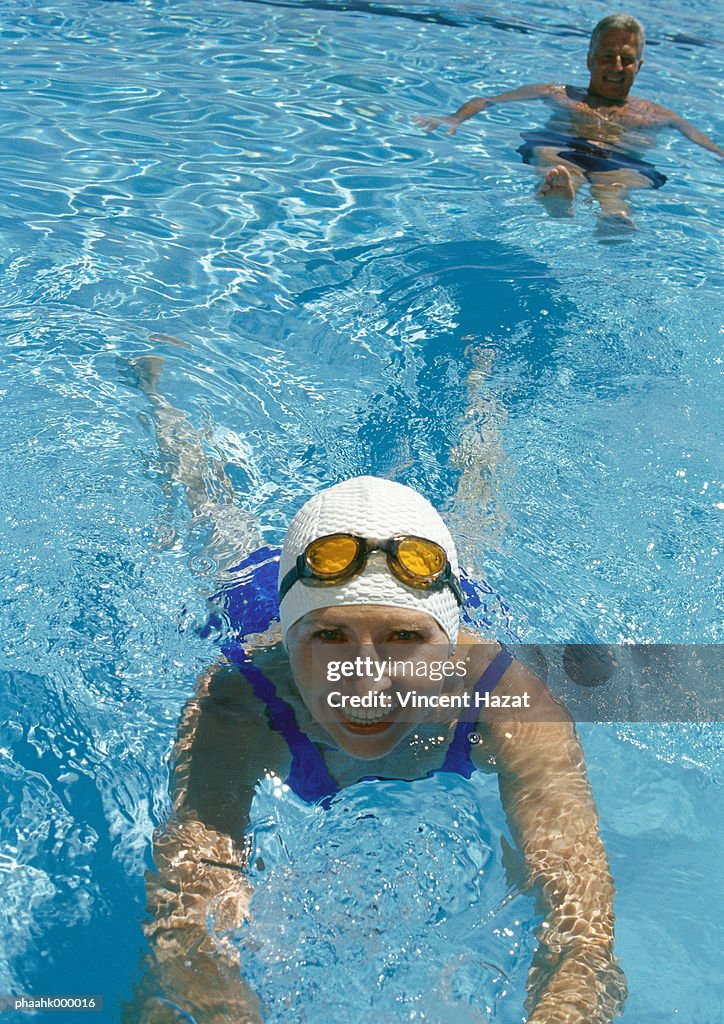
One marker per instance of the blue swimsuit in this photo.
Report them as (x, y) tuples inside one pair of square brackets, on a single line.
[(308, 776), (250, 606)]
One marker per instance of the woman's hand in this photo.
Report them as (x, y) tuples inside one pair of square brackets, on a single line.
[(585, 989)]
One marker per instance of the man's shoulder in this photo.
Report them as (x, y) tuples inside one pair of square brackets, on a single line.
[(565, 95), (654, 112), (559, 90)]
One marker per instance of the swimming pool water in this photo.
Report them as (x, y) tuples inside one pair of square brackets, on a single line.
[(392, 884), (242, 191)]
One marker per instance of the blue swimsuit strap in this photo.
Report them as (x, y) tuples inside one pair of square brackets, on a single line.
[(458, 757), (308, 776)]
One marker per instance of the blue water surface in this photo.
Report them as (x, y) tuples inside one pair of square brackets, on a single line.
[(241, 189)]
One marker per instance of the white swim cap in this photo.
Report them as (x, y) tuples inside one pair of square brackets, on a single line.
[(376, 509)]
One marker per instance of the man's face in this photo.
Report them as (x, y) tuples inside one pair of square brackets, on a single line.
[(331, 635), (613, 65)]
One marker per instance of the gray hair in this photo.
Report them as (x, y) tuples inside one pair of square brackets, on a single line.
[(623, 23)]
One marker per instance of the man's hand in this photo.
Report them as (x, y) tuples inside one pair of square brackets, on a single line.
[(429, 124)]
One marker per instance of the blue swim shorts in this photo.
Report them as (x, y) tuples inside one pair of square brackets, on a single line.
[(587, 155)]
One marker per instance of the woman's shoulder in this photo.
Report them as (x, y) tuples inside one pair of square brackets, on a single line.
[(508, 688), (477, 652)]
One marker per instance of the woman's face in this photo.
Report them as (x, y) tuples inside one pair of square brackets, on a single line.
[(329, 651)]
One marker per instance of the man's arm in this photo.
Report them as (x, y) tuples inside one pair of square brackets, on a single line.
[(474, 106), (574, 978), (688, 129)]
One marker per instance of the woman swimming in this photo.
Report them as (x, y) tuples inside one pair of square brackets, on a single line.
[(369, 585)]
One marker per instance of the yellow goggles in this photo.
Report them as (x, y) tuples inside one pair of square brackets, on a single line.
[(415, 561)]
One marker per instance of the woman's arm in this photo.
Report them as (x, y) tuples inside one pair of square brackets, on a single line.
[(574, 978), (191, 968), (474, 106), (198, 890)]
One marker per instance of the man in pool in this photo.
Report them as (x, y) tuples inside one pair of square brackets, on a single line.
[(595, 134), (369, 569)]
